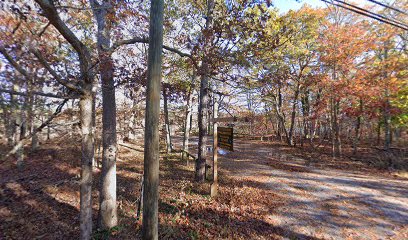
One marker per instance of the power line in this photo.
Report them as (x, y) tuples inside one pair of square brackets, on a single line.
[(387, 6), (367, 14), (375, 14)]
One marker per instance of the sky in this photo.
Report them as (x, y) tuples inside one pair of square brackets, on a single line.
[(286, 5)]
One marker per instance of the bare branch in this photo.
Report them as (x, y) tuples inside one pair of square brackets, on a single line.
[(26, 139), (84, 55), (13, 62), (45, 28), (38, 93), (146, 40), (54, 74)]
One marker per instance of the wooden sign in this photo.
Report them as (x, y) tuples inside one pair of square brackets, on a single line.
[(225, 138)]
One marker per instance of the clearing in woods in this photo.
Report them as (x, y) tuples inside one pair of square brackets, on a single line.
[(321, 201)]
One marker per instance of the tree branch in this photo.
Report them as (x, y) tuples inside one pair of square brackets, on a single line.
[(84, 55), (26, 139), (13, 62), (43, 30), (54, 74), (146, 40), (38, 93)]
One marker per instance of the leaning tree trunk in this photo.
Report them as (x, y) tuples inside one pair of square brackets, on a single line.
[(107, 216), (169, 146), (151, 152)]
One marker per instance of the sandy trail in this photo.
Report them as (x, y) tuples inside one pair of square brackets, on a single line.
[(324, 203)]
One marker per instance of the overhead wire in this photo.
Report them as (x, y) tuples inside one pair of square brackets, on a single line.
[(387, 6), (369, 14), (375, 14)]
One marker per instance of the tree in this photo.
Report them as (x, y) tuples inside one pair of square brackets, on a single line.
[(86, 108), (103, 13), (151, 152)]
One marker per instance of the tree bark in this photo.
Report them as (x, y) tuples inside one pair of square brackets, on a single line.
[(151, 154), (336, 129), (50, 11), (187, 122), (379, 131), (107, 216), (387, 121), (202, 130), (169, 145), (293, 116), (357, 128), (87, 131), (204, 99)]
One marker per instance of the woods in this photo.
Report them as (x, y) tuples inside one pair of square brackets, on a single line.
[(325, 83)]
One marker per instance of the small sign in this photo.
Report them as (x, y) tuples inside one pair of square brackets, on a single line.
[(225, 138)]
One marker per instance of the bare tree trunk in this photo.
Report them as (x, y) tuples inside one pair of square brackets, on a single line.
[(85, 107), (23, 141), (187, 122), (21, 121), (48, 133), (32, 127), (293, 116), (306, 113), (203, 104), (202, 130), (13, 116), (357, 128), (20, 136), (151, 153), (336, 129), (281, 117), (387, 121), (9, 121), (379, 131), (107, 217), (169, 146)]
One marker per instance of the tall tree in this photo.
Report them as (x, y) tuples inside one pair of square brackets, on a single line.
[(103, 13), (204, 98), (86, 110), (151, 152)]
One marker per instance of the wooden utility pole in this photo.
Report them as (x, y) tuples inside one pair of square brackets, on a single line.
[(214, 185), (151, 151)]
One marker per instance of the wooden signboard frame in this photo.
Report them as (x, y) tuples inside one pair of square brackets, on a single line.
[(225, 138)]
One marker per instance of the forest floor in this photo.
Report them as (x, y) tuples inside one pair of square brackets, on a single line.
[(267, 191)]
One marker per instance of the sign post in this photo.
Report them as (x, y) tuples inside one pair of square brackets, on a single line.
[(214, 185)]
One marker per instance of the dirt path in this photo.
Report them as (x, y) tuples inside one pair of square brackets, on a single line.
[(323, 203)]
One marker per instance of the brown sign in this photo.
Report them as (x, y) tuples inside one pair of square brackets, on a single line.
[(225, 138)]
